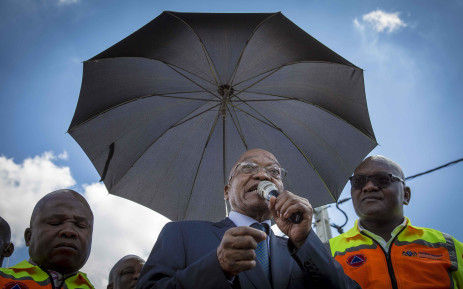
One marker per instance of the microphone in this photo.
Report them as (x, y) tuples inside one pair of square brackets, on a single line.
[(267, 189)]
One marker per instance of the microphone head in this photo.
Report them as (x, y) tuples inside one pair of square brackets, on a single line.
[(264, 188)]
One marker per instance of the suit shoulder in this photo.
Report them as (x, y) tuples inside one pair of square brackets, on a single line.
[(282, 239), (188, 225)]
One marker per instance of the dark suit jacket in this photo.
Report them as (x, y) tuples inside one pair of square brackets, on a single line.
[(185, 256)]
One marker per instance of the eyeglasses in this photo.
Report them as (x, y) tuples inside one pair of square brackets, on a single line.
[(381, 180), (252, 168)]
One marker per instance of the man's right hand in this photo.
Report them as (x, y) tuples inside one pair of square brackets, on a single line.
[(236, 250)]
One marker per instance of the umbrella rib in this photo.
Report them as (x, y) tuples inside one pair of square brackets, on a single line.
[(247, 42), (194, 116), (155, 59), (291, 63), (186, 77), (161, 135), (290, 139), (201, 160), (251, 85), (188, 98), (206, 53), (237, 125), (167, 95), (284, 98)]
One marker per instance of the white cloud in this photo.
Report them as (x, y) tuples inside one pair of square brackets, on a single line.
[(67, 2), (121, 227), (380, 21), (22, 185)]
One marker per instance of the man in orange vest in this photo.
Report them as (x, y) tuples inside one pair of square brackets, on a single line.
[(6, 246), (383, 249), (59, 240)]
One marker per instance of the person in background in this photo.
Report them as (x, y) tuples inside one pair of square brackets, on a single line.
[(241, 251), (59, 240), (6, 246), (125, 273), (383, 249)]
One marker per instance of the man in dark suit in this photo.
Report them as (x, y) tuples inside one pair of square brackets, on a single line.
[(199, 254)]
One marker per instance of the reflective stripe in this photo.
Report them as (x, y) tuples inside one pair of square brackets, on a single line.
[(450, 245), (20, 276), (452, 283), (34, 277), (354, 249), (422, 242), (340, 245)]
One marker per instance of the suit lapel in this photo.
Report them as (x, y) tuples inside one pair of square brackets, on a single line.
[(281, 262)]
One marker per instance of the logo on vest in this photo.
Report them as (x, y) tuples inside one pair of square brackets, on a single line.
[(356, 260), (15, 285), (409, 253)]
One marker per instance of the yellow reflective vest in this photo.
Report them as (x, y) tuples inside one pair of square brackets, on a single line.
[(418, 258), (27, 276)]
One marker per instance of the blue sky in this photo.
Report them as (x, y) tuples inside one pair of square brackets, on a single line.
[(410, 51)]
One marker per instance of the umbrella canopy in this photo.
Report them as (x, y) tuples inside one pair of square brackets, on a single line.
[(164, 114)]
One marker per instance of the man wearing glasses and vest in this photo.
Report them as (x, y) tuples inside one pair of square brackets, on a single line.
[(235, 253), (383, 249)]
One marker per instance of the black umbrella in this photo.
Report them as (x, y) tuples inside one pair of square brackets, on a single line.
[(164, 114)]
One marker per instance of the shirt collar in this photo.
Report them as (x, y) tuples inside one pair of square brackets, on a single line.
[(243, 220), (403, 224), (385, 244)]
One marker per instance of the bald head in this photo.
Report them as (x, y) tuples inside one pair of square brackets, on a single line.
[(6, 247), (383, 160), (5, 231), (58, 194), (249, 155), (60, 233), (125, 272)]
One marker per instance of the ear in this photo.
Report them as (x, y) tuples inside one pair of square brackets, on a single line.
[(407, 195), (225, 192), (27, 236), (8, 250)]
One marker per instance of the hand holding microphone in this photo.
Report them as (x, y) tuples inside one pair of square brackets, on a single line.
[(267, 189)]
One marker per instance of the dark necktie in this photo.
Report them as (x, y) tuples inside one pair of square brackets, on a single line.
[(262, 251)]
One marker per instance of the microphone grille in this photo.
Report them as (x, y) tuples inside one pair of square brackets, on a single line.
[(264, 187)]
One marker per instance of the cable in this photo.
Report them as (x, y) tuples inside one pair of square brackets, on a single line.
[(340, 228), (435, 169)]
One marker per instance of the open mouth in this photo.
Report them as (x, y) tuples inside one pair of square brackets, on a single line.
[(252, 188)]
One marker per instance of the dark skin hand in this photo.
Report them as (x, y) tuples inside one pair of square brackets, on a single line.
[(283, 207), (236, 250)]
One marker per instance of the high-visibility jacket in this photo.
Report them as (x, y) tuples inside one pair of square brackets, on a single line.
[(27, 276), (418, 258)]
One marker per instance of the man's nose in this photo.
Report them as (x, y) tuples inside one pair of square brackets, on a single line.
[(369, 187), (68, 230), (262, 175)]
